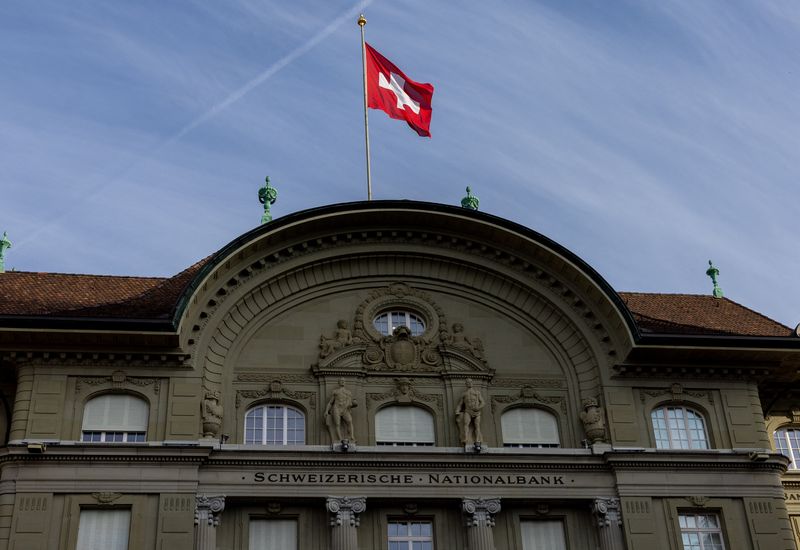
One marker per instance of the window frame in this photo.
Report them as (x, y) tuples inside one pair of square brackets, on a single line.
[(85, 511), (105, 434), (793, 454), (698, 530), (394, 405), (409, 315), (529, 445), (293, 519), (666, 407), (562, 520), (284, 430), (409, 539)]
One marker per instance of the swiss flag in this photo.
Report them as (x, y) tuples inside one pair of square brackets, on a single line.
[(391, 91)]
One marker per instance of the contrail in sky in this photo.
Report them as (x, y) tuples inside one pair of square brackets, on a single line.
[(213, 111), (269, 72)]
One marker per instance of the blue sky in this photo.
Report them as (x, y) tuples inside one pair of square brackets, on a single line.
[(647, 137)]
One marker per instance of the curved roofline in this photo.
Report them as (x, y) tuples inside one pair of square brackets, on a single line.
[(360, 206)]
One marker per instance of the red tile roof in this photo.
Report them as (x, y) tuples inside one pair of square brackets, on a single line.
[(698, 314), (113, 297), (97, 296)]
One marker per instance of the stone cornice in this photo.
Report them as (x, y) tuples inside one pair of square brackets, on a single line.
[(207, 456), (72, 358)]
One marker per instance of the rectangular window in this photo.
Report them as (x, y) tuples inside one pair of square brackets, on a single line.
[(543, 535), (410, 535), (104, 529), (273, 534), (701, 532)]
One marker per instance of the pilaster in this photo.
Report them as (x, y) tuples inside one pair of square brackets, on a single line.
[(480, 520), (344, 521), (606, 512), (206, 519)]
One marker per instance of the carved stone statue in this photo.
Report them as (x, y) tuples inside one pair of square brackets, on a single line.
[(212, 414), (593, 422), (459, 340), (341, 338), (468, 414), (337, 414)]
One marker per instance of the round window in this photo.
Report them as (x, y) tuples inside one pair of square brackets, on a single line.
[(386, 322)]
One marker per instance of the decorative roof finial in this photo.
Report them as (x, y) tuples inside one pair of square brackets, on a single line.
[(713, 272), (267, 196), (470, 202), (5, 244)]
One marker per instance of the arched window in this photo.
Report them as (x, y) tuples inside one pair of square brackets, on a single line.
[(404, 425), (787, 441), (274, 425), (386, 322), (529, 428), (677, 427), (115, 418)]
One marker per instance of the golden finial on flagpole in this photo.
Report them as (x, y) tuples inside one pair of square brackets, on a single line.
[(362, 20)]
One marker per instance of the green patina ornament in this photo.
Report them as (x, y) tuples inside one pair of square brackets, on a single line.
[(470, 201), (267, 196), (5, 244), (713, 272)]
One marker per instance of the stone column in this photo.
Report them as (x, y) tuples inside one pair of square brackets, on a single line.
[(480, 520), (344, 521), (606, 512), (206, 518)]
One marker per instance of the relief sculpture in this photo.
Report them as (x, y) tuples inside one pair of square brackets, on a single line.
[(341, 337)]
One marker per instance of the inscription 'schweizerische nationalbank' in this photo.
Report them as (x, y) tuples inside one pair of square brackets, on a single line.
[(535, 480)]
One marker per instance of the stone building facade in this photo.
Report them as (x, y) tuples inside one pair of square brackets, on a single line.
[(387, 376)]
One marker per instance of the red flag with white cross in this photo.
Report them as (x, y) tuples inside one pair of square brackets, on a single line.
[(391, 91)]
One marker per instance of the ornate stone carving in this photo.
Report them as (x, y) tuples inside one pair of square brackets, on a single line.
[(117, 380), (341, 337), (337, 414), (212, 415), (434, 351), (676, 392), (480, 511), (528, 395), (698, 501), (294, 378), (468, 414), (606, 512), (594, 424), (106, 497), (527, 382), (457, 339), (403, 392), (275, 389), (207, 509), (344, 510)]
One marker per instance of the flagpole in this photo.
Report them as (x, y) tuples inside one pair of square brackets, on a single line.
[(361, 22)]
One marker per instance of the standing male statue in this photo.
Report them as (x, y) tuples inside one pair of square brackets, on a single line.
[(337, 414), (468, 414)]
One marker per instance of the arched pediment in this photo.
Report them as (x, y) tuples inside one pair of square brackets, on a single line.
[(480, 257)]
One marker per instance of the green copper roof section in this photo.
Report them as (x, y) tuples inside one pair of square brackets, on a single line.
[(713, 272), (5, 244), (267, 196), (471, 202)]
